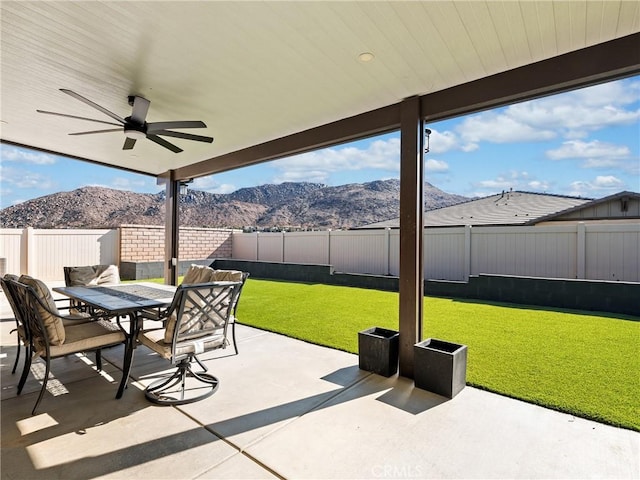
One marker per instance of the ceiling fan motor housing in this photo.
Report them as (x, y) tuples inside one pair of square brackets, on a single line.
[(134, 130)]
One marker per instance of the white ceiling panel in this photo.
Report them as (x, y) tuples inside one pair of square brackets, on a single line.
[(256, 71)]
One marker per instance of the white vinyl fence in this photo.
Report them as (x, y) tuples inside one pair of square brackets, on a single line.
[(594, 252), (44, 253)]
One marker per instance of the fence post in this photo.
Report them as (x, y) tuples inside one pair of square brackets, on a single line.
[(30, 257), (581, 249), (467, 252), (283, 256), (257, 246), (387, 247), (329, 247)]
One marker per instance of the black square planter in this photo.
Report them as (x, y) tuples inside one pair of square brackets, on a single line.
[(378, 351), (440, 367)]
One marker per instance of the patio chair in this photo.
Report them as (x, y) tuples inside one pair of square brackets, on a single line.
[(49, 337), (21, 324), (196, 322), (90, 275), (203, 274)]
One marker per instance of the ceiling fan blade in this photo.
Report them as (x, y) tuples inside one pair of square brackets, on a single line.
[(186, 136), (140, 109), (98, 131), (94, 105), (155, 126), (129, 143), (164, 143), (78, 118)]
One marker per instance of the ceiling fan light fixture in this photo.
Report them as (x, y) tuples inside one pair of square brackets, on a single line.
[(135, 134)]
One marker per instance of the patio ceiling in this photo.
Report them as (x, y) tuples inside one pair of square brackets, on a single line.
[(260, 71)]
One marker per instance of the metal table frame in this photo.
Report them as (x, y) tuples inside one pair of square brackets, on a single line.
[(119, 300)]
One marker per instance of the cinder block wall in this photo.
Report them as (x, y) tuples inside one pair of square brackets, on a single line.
[(598, 295), (145, 243)]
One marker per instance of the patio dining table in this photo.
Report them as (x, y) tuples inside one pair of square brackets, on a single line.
[(119, 300)]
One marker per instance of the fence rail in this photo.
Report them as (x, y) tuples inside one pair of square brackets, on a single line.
[(583, 251), (42, 253)]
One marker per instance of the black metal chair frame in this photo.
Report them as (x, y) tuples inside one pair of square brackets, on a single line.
[(21, 325), (245, 275), (29, 300), (208, 305)]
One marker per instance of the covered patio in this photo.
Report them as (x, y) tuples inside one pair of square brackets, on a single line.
[(274, 79), (270, 80), (273, 419)]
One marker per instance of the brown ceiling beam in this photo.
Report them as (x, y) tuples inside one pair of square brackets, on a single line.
[(375, 122), (604, 62)]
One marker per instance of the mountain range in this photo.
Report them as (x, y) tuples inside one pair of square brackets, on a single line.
[(303, 204)]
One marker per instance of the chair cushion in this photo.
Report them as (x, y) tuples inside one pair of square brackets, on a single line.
[(53, 324), (88, 336), (93, 275), (187, 326), (155, 340), (170, 328), (109, 276), (226, 276), (197, 274)]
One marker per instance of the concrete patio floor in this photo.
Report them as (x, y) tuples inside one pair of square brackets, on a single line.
[(287, 409)]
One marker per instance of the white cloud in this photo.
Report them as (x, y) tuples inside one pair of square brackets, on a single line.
[(597, 154), (314, 176), (608, 181), (19, 178), (436, 166), (539, 186), (605, 183), (224, 188), (516, 180), (500, 128), (122, 183), (578, 112), (498, 183), (317, 166), (588, 150), (209, 184), (19, 155), (572, 115), (441, 142)]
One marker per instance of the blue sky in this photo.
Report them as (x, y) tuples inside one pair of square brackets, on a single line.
[(583, 143)]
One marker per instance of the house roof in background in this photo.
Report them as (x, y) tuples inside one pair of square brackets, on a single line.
[(507, 208), (621, 205)]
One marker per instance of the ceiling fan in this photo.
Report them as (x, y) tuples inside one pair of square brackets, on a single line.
[(135, 127)]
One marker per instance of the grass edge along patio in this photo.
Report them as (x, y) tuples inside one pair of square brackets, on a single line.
[(578, 362)]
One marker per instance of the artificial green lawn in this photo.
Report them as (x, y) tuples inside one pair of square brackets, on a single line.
[(583, 363)]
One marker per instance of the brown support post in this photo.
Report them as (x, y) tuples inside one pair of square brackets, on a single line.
[(171, 229), (411, 231)]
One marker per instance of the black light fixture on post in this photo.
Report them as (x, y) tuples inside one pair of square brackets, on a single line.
[(427, 133), (184, 186)]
